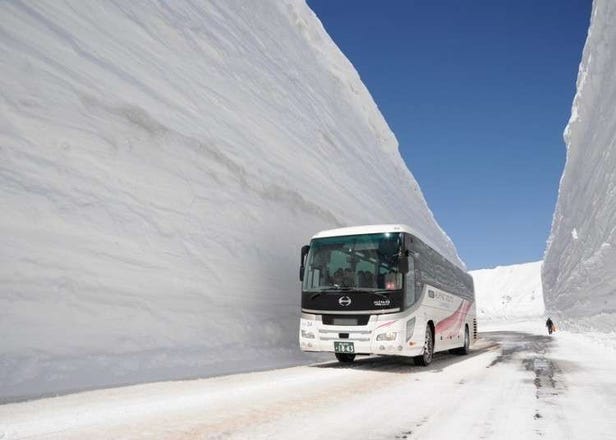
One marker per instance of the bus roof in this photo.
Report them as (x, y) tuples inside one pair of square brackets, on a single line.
[(365, 229)]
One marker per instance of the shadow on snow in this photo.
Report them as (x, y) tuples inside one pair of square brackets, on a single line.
[(402, 364)]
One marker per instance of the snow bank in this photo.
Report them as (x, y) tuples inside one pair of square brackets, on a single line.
[(508, 293), (161, 163), (579, 271)]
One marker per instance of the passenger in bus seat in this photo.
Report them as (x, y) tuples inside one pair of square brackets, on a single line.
[(338, 277), (349, 278), (391, 281), (361, 279), (369, 279), (329, 280)]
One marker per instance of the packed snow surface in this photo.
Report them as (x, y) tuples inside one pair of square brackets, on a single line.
[(508, 292), (579, 270), (161, 163)]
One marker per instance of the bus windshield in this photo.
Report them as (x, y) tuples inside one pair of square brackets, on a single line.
[(366, 262)]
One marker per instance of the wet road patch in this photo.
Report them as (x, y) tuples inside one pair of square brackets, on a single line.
[(532, 351)]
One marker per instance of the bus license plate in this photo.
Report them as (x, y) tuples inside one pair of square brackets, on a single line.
[(344, 347)]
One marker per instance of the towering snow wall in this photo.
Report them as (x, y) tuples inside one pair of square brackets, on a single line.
[(579, 271), (509, 292), (161, 163)]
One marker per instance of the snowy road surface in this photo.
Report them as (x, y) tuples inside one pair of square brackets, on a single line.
[(515, 384)]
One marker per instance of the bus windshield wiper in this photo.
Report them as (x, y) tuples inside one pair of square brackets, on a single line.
[(381, 293), (335, 287), (331, 289)]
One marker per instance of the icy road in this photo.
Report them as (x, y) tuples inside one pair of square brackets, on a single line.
[(518, 384)]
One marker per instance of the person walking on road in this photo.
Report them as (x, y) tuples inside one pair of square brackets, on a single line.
[(550, 325)]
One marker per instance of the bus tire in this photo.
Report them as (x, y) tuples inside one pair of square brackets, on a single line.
[(425, 359), (467, 341), (345, 358)]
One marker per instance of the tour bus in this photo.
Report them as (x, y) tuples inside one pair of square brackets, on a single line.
[(381, 289)]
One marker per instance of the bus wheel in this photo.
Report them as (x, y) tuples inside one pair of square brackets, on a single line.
[(426, 357), (467, 342), (345, 357)]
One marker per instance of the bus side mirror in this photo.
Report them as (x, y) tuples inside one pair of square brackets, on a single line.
[(403, 262), (305, 250)]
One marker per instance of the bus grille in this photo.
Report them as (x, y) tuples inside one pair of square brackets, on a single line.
[(474, 328), (345, 319)]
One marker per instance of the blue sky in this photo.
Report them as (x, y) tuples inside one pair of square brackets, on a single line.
[(478, 93)]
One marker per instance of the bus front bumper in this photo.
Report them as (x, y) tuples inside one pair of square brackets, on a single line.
[(380, 336)]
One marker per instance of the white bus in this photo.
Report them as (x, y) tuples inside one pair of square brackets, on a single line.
[(380, 289)]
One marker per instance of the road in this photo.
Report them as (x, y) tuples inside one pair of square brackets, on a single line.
[(513, 385)]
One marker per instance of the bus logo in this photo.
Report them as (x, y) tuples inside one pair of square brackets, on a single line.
[(344, 301)]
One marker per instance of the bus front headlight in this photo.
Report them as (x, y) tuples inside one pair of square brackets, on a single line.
[(389, 336), (307, 334)]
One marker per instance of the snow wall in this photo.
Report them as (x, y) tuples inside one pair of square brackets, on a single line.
[(579, 270), (506, 293), (161, 163)]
